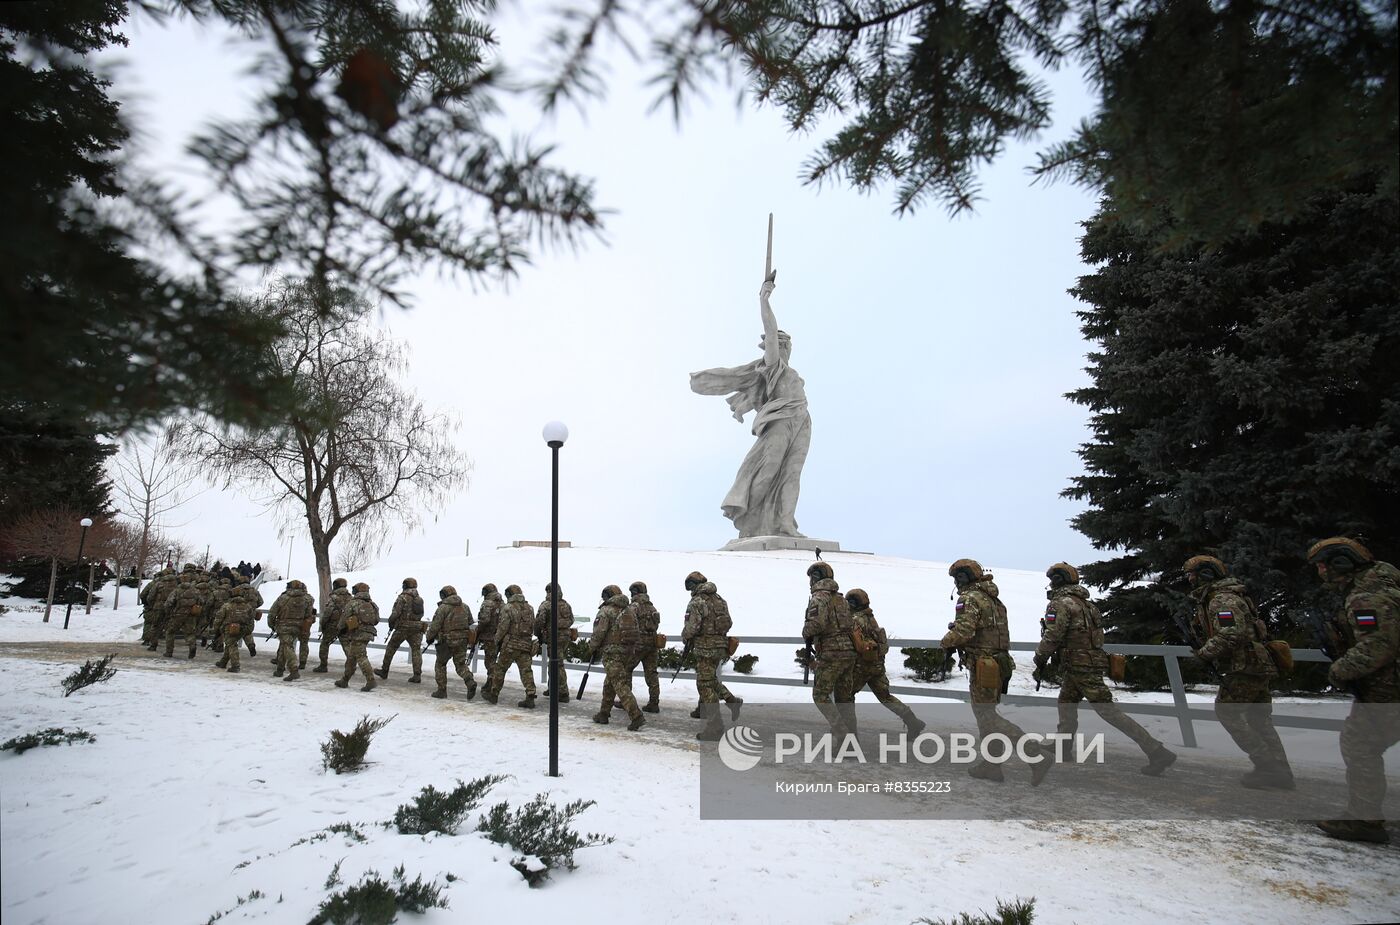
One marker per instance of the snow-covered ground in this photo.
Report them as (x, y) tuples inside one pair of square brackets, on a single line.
[(201, 782)]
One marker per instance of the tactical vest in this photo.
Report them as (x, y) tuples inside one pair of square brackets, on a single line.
[(833, 619), (490, 615), (648, 617), (711, 616), (991, 632), (1082, 643), (516, 621), (238, 612), (622, 632), (457, 622), (871, 629)]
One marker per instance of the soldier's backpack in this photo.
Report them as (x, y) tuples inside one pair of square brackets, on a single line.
[(417, 606)]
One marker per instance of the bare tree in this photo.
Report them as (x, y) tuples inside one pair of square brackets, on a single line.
[(364, 454), (124, 544), (54, 534), (149, 480)]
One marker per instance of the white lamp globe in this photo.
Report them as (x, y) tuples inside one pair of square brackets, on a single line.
[(555, 432), (85, 522)]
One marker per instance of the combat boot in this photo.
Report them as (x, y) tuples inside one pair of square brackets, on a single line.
[(1158, 760), (321, 668), (221, 663), (1355, 830), (370, 685), (233, 669), (985, 770), (714, 726), (418, 679), (912, 724), (490, 697), (528, 703), (698, 712), (600, 718), (293, 675), (192, 651), (734, 706), (652, 706), (638, 722), (471, 690), (341, 682), (1269, 775), (383, 672), (277, 672), (301, 665)]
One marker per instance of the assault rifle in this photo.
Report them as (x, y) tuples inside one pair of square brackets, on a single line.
[(1326, 642), (680, 663), (593, 654), (807, 660), (1184, 625)]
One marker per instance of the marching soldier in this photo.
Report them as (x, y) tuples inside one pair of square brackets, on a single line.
[(153, 604), (330, 621), (566, 623), (515, 640), (615, 630), (218, 596), (1367, 637), (869, 670), (707, 623), (979, 627), (828, 627), (1073, 627), (357, 625), (287, 617), (648, 625), (1234, 643), (254, 597), (237, 611), (406, 624), (486, 619), (182, 611), (451, 630)]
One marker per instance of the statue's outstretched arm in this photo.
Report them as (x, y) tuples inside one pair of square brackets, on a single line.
[(771, 356)]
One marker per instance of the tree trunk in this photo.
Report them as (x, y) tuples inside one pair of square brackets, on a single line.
[(117, 591), (91, 568), (53, 580), (321, 546)]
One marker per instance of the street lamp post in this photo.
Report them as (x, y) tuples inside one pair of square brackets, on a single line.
[(555, 433), (82, 538)]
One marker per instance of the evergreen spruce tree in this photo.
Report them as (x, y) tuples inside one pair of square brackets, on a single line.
[(1244, 403)]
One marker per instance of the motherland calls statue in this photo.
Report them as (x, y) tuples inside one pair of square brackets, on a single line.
[(763, 500)]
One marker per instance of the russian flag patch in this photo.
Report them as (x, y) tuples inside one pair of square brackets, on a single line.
[(1365, 619), (1225, 617), (959, 608), (1049, 614)]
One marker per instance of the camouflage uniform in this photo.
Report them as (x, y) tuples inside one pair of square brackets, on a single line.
[(707, 624), (1368, 630), (648, 625), (1244, 706), (451, 630), (151, 605), (828, 625), (182, 611), (980, 629), (218, 597), (287, 616), (253, 596), (228, 623), (515, 641), (566, 623), (1072, 626), (161, 599), (330, 624), (357, 624), (615, 629), (406, 625), (869, 669), (486, 619)]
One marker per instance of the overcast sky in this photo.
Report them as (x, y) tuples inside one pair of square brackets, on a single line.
[(936, 351)]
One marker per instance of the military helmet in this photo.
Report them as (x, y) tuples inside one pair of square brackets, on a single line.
[(488, 589), (191, 567), (360, 586), (550, 589), (694, 580), (637, 587), (513, 589), (1062, 573), (858, 599), (339, 583), (296, 584), (610, 592), (446, 592), (1340, 554), (410, 583), (970, 569), (1207, 568), (819, 570)]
